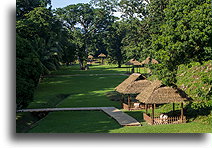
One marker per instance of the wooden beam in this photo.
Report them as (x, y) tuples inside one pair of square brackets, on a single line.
[(182, 111), (146, 107), (128, 102), (122, 101), (173, 105), (153, 114)]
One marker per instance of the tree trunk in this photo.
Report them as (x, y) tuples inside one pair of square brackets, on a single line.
[(81, 63), (119, 64)]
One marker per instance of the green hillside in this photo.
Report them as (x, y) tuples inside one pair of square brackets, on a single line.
[(196, 80)]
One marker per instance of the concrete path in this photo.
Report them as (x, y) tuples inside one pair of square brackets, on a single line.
[(122, 118)]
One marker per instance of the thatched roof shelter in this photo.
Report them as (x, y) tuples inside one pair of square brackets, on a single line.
[(130, 62), (134, 84), (136, 87), (101, 55), (149, 60), (133, 62), (136, 63), (156, 93), (90, 57)]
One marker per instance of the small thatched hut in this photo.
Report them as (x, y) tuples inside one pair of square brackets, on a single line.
[(102, 56), (157, 93), (90, 57), (128, 65), (135, 64), (134, 84), (149, 60), (132, 78)]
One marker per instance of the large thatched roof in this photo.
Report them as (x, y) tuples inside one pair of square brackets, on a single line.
[(101, 55), (134, 84), (156, 93), (149, 60), (136, 87)]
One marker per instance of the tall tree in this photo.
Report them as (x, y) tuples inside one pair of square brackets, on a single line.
[(114, 40), (25, 6), (90, 21), (185, 36)]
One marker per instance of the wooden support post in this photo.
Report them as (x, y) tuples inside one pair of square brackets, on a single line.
[(173, 108), (182, 111), (154, 105), (153, 114), (122, 101), (146, 107), (128, 102)]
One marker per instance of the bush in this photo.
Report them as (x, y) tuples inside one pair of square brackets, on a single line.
[(28, 71)]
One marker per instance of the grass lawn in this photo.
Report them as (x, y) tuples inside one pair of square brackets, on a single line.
[(87, 91), (94, 69), (81, 91), (76, 122)]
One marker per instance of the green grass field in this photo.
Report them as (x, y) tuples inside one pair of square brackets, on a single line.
[(87, 91)]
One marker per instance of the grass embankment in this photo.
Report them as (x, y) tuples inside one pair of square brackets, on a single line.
[(89, 91), (196, 80)]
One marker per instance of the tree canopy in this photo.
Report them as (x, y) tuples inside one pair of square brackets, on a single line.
[(173, 32)]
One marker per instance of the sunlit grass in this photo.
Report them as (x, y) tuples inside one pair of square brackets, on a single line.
[(88, 91)]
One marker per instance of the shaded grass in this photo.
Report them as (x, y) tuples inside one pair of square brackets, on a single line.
[(76, 122), (24, 122)]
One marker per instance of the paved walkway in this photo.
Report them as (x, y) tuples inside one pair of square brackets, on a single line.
[(122, 118)]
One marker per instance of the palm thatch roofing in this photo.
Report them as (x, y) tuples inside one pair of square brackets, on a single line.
[(133, 62), (149, 60), (136, 87), (134, 84), (156, 93), (102, 55), (90, 57)]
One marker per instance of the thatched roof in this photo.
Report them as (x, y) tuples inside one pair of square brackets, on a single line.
[(132, 84), (136, 87), (133, 62), (128, 63), (102, 55), (156, 93), (149, 60), (136, 63), (90, 57), (154, 61)]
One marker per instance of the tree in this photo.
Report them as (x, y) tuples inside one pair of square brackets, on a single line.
[(89, 21), (38, 50), (28, 71), (25, 6), (43, 29), (185, 36), (114, 41)]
